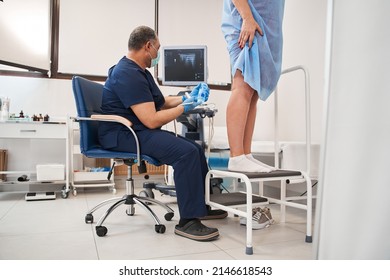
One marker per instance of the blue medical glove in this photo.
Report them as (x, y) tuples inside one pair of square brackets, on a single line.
[(190, 103), (195, 91), (204, 92), (201, 91)]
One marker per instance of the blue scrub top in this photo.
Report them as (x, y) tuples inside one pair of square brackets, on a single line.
[(127, 84)]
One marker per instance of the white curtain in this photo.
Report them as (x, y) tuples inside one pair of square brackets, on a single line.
[(353, 213)]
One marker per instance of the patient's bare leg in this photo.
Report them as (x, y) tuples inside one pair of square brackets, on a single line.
[(240, 121)]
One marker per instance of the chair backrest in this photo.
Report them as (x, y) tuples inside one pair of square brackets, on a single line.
[(88, 98)]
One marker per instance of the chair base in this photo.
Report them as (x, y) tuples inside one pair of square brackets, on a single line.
[(130, 200)]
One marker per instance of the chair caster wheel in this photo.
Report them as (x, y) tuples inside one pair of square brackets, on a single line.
[(89, 219), (101, 230), (159, 228), (168, 216), (64, 193), (146, 193)]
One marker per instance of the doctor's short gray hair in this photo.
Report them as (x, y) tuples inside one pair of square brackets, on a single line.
[(140, 36)]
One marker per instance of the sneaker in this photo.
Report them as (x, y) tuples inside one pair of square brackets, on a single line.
[(261, 218)]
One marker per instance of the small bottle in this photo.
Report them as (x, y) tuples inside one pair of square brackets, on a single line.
[(4, 108)]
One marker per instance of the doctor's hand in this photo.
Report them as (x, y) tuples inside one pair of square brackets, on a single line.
[(190, 103)]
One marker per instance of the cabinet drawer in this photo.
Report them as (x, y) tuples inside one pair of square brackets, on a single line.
[(33, 130)]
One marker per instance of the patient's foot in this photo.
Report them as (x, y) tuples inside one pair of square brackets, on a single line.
[(251, 158), (243, 164)]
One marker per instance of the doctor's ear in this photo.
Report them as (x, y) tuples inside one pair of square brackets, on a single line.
[(148, 45)]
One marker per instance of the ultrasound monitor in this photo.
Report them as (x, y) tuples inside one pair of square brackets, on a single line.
[(184, 65)]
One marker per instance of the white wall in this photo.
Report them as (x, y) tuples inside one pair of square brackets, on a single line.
[(35, 96), (304, 44), (304, 26), (187, 22), (353, 206)]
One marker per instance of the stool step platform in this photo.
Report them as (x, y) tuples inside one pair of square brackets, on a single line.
[(276, 173), (235, 198)]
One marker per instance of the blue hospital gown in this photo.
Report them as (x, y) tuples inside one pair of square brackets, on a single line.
[(261, 64)]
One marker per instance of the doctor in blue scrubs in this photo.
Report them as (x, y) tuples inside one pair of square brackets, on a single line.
[(131, 92)]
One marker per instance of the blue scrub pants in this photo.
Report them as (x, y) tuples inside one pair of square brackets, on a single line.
[(185, 156)]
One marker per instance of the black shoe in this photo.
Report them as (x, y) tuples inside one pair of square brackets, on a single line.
[(195, 230), (214, 214)]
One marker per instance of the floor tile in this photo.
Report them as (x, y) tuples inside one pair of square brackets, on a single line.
[(56, 229), (75, 245)]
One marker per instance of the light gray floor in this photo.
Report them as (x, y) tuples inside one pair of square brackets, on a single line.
[(55, 230)]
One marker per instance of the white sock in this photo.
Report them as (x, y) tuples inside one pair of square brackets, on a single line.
[(251, 158), (243, 164)]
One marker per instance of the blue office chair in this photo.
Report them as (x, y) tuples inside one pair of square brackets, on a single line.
[(88, 96)]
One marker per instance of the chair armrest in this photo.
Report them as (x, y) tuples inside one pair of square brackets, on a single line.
[(117, 119), (113, 118)]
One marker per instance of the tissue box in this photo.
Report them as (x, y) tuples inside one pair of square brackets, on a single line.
[(50, 172)]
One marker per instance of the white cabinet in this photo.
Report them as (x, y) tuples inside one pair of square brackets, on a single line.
[(32, 143)]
